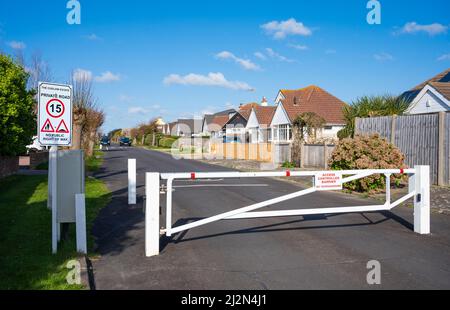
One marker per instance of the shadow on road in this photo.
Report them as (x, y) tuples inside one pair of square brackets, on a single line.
[(180, 237)]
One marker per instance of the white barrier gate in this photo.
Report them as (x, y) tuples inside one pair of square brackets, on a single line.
[(419, 189)]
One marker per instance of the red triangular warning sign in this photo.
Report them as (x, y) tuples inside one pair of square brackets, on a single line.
[(47, 127), (62, 127)]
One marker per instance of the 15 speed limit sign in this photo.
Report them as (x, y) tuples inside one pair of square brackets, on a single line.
[(55, 115)]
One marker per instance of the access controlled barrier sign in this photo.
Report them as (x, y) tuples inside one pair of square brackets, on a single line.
[(55, 115)]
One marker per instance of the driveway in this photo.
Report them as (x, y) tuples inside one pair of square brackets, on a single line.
[(304, 252)]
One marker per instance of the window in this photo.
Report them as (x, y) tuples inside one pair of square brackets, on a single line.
[(328, 127), (285, 133)]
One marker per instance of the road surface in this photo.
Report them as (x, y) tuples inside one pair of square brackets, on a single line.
[(309, 252)]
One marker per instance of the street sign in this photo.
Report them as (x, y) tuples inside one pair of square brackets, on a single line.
[(328, 181), (55, 114)]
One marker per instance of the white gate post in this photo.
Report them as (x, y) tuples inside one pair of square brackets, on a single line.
[(422, 200), (132, 181), (152, 214), (80, 214)]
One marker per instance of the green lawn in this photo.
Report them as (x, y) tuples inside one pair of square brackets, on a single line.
[(26, 261), (94, 162)]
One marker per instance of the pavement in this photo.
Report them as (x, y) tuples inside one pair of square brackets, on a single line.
[(303, 252)]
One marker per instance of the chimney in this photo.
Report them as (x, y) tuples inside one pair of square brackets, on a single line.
[(264, 102)]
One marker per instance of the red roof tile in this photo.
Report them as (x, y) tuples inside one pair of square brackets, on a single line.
[(313, 99)]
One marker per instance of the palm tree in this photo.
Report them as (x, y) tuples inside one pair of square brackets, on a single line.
[(371, 106)]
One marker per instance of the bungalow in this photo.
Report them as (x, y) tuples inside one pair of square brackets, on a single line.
[(188, 127), (234, 129), (258, 124), (431, 96), (208, 121), (292, 103), (250, 124)]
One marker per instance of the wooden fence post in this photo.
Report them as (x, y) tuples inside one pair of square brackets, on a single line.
[(302, 155), (393, 128), (441, 149), (325, 155)]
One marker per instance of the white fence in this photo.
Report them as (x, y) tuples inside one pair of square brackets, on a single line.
[(419, 189)]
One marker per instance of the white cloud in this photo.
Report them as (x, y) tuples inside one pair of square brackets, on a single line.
[(444, 57), (260, 55), (212, 79), (383, 57), (244, 63), (272, 54), (298, 47), (137, 110), (282, 29), (81, 75), (17, 45), (125, 98), (92, 37), (431, 29), (107, 76)]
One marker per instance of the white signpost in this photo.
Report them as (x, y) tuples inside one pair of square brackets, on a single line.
[(55, 129)]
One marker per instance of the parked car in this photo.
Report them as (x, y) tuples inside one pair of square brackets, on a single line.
[(35, 146), (105, 141), (125, 141)]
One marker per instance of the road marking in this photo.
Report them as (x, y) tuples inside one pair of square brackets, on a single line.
[(220, 185)]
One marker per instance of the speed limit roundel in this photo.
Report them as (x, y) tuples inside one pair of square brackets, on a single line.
[(55, 108)]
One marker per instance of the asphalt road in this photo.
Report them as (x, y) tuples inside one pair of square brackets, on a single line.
[(304, 252)]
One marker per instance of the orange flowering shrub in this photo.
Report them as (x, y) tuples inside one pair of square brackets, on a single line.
[(368, 152)]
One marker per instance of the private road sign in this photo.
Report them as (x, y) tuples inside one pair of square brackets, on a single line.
[(55, 114)]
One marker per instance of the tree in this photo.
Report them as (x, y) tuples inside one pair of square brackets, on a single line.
[(93, 121), (83, 100), (17, 119), (39, 71), (305, 124), (371, 106)]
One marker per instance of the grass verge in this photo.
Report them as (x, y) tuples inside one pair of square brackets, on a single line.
[(26, 261), (94, 162)]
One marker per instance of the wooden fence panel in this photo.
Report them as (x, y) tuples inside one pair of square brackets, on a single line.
[(417, 136)]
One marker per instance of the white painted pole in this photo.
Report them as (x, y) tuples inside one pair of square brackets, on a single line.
[(80, 215), (388, 189), (152, 214), (53, 157), (132, 181), (422, 200), (169, 208)]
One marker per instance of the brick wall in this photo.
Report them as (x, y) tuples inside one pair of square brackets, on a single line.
[(8, 165), (38, 158)]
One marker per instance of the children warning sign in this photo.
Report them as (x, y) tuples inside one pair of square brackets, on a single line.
[(55, 115), (328, 181)]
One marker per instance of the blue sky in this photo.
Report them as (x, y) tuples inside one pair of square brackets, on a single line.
[(180, 59)]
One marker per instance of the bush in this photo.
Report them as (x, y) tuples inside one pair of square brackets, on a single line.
[(17, 118), (367, 152), (288, 164), (167, 142)]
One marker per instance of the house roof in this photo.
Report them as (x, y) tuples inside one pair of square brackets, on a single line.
[(443, 77), (195, 125), (219, 120), (442, 88), (313, 99), (264, 114)]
